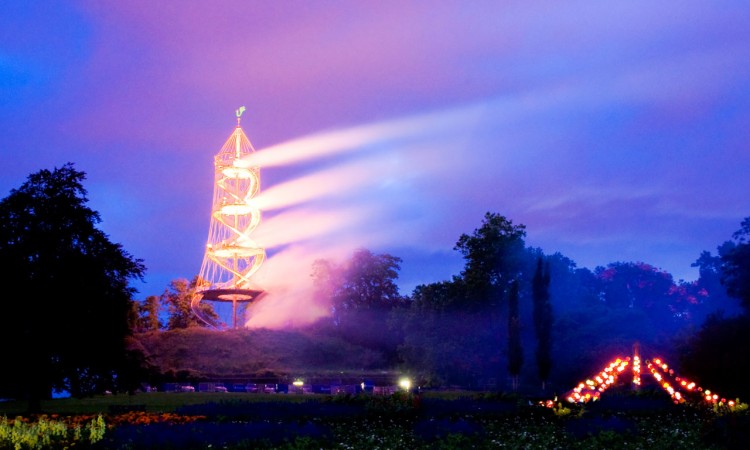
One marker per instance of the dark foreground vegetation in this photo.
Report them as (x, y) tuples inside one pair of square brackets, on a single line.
[(428, 420)]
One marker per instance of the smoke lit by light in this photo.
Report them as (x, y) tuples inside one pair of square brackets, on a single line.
[(373, 198)]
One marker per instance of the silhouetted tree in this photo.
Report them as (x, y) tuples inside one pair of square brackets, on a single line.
[(542, 320), (735, 258), (707, 294), (515, 349), (494, 256), (709, 271), (717, 355), (444, 344), (66, 290)]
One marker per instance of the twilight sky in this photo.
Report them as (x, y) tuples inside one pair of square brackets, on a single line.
[(615, 131)]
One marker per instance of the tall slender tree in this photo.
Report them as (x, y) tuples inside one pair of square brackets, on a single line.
[(148, 314), (515, 349), (542, 320)]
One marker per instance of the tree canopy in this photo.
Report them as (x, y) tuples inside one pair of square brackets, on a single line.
[(366, 281), (735, 259), (494, 256), (177, 297), (67, 294)]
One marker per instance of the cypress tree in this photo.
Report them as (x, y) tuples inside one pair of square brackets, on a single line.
[(515, 351), (542, 320)]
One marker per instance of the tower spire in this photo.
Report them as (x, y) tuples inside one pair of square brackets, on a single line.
[(238, 113)]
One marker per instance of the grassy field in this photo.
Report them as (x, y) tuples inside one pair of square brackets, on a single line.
[(153, 402)]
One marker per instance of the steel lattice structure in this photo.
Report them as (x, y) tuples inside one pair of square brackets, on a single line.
[(231, 256)]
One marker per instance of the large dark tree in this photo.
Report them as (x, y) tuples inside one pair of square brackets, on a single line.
[(707, 294), (66, 292), (717, 355), (735, 259), (542, 320)]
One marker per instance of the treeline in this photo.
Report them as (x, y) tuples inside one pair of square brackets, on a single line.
[(514, 318), (518, 319)]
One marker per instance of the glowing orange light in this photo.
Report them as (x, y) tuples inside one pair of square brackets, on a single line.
[(591, 388)]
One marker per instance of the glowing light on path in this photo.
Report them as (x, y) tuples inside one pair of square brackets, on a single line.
[(636, 370), (665, 377), (591, 389)]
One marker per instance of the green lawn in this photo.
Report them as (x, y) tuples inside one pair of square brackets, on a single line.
[(156, 402), (165, 402)]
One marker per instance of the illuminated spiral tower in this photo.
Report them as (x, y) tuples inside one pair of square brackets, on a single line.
[(231, 257)]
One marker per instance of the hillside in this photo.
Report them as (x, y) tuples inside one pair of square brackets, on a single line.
[(236, 354)]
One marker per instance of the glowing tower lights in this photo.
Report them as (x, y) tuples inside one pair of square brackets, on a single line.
[(231, 256)]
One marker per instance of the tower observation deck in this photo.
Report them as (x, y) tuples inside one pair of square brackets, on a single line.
[(231, 256)]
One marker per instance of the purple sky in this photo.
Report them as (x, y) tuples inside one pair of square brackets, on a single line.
[(615, 131)]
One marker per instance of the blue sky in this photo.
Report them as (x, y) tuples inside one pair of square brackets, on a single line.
[(615, 131)]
